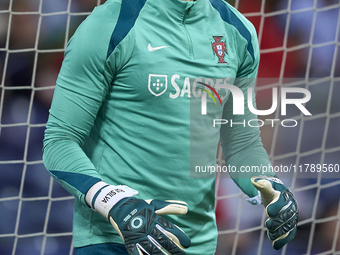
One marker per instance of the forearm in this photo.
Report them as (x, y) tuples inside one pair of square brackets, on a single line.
[(242, 145), (67, 162), (252, 157)]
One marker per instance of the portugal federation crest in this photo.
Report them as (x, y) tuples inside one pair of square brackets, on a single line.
[(219, 48)]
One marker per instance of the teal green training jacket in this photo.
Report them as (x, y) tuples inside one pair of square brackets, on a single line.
[(132, 107)]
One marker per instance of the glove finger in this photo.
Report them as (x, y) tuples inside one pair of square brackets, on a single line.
[(174, 233), (268, 194), (275, 207), (159, 242), (285, 200), (133, 249), (169, 206), (141, 250), (283, 229), (283, 240), (163, 244), (284, 216), (147, 247)]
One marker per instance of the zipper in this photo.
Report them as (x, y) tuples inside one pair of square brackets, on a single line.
[(191, 51)]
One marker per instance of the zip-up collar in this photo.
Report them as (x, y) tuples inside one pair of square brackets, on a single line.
[(183, 11)]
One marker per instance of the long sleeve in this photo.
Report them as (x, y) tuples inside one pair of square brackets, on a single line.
[(241, 143), (81, 88)]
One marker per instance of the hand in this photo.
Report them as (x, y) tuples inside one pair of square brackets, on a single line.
[(145, 232), (281, 208)]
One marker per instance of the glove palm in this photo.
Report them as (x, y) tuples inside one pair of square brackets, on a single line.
[(144, 231)]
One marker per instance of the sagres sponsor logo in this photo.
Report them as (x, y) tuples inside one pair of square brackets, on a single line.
[(189, 87)]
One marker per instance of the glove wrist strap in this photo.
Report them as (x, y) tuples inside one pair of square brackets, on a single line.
[(255, 200), (101, 197)]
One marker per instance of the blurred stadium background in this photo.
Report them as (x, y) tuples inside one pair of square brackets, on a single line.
[(299, 43)]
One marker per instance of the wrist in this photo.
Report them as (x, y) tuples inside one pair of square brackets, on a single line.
[(101, 197)]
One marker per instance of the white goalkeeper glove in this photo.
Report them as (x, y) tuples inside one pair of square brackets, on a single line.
[(281, 208), (138, 222)]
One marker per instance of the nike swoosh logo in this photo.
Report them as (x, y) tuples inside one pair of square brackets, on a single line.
[(150, 48)]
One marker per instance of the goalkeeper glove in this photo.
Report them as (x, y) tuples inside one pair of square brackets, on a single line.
[(138, 221), (281, 208)]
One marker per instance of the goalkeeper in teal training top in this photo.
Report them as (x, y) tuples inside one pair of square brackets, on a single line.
[(132, 127)]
